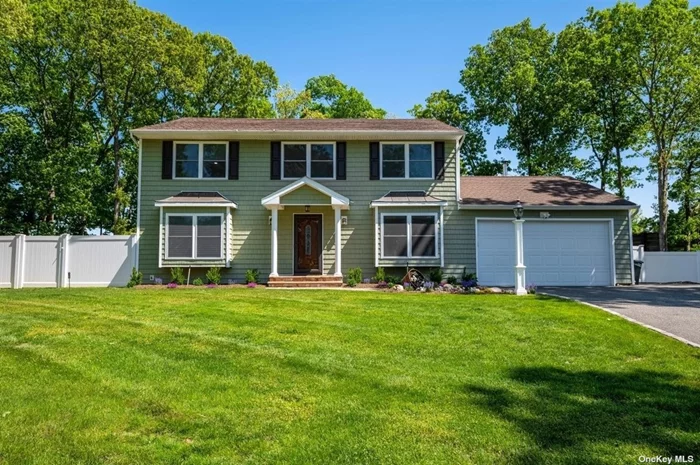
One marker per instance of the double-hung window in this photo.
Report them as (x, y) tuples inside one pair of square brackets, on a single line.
[(314, 160), (200, 160), (409, 236), (411, 160), (194, 236)]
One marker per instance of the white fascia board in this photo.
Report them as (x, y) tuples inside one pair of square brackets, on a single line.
[(407, 204), (160, 134), (196, 204), (548, 207), (337, 200)]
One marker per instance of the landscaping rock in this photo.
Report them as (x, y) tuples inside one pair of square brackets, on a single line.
[(496, 290), (398, 288), (447, 287)]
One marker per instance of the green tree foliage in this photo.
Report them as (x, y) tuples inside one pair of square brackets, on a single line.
[(454, 110), (75, 76), (609, 117), (662, 44), (514, 82), (333, 99), (684, 224)]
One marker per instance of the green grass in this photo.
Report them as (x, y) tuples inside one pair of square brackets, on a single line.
[(219, 376)]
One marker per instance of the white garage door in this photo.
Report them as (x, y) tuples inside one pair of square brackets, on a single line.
[(557, 253)]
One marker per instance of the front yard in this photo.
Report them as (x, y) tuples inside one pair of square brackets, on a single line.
[(218, 376)]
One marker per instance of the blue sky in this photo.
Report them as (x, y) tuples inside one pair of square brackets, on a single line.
[(396, 52)]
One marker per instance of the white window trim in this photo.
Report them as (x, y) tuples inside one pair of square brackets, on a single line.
[(308, 159), (194, 236), (200, 160), (406, 160), (409, 236)]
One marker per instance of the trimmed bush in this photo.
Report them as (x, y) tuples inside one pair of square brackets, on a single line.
[(251, 276), (452, 280), (177, 275), (355, 274), (380, 275), (198, 282), (352, 282), (435, 275), (214, 275), (135, 279)]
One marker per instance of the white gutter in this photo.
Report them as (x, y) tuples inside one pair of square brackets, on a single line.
[(196, 204), (291, 135), (378, 203), (463, 206)]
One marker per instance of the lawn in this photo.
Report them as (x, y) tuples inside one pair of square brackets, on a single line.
[(219, 376)]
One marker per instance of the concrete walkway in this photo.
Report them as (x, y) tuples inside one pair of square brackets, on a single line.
[(671, 309)]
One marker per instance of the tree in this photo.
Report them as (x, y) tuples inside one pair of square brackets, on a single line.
[(453, 109), (686, 191), (662, 43), (608, 115), (514, 82), (289, 103), (333, 99)]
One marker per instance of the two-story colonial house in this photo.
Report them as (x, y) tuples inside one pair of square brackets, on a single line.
[(312, 198)]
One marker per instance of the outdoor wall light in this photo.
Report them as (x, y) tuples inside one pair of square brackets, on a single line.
[(307, 208), (344, 220), (518, 210)]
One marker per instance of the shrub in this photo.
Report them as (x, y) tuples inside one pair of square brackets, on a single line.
[(214, 275), (380, 275), (393, 280), (198, 282), (452, 280), (435, 275), (252, 285), (177, 275), (135, 279), (355, 274), (469, 283), (251, 276), (531, 289), (468, 276), (172, 285), (352, 282)]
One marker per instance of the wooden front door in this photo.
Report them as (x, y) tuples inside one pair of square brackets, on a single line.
[(307, 244)]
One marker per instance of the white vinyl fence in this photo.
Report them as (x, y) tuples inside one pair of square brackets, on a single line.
[(668, 267), (63, 261)]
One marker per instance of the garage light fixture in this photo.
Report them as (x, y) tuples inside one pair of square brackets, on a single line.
[(518, 210)]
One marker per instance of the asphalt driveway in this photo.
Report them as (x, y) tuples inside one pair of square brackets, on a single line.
[(674, 309)]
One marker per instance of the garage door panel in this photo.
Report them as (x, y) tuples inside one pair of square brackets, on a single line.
[(557, 253)]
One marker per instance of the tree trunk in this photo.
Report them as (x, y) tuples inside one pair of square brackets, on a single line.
[(618, 163), (603, 173), (662, 197), (117, 167)]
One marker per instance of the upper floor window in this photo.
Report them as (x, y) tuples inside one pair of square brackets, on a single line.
[(200, 160), (413, 160), (314, 160)]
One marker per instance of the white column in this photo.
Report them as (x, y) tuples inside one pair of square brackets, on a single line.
[(273, 271), (338, 237), (519, 258), (18, 262)]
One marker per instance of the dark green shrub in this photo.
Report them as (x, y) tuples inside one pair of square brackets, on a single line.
[(393, 280), (352, 282), (435, 275), (452, 280), (356, 274), (198, 282), (135, 279), (251, 276), (214, 275), (177, 275)]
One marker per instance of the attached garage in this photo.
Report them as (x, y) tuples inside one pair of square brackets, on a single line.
[(576, 252)]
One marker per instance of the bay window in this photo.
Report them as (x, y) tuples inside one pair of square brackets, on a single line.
[(313, 160), (409, 235), (194, 236), (411, 160)]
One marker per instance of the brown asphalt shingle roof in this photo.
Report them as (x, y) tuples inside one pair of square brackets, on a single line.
[(253, 124), (408, 197), (196, 197), (536, 191)]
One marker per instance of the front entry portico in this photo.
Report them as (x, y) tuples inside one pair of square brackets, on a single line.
[(308, 235)]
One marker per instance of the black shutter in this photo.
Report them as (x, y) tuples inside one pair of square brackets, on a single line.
[(275, 160), (340, 161), (439, 160), (373, 161), (233, 156), (167, 160)]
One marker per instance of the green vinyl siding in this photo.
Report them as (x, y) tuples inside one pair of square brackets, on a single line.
[(250, 235), (623, 270)]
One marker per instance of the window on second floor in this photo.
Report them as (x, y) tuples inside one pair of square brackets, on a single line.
[(200, 160), (314, 160), (413, 160)]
